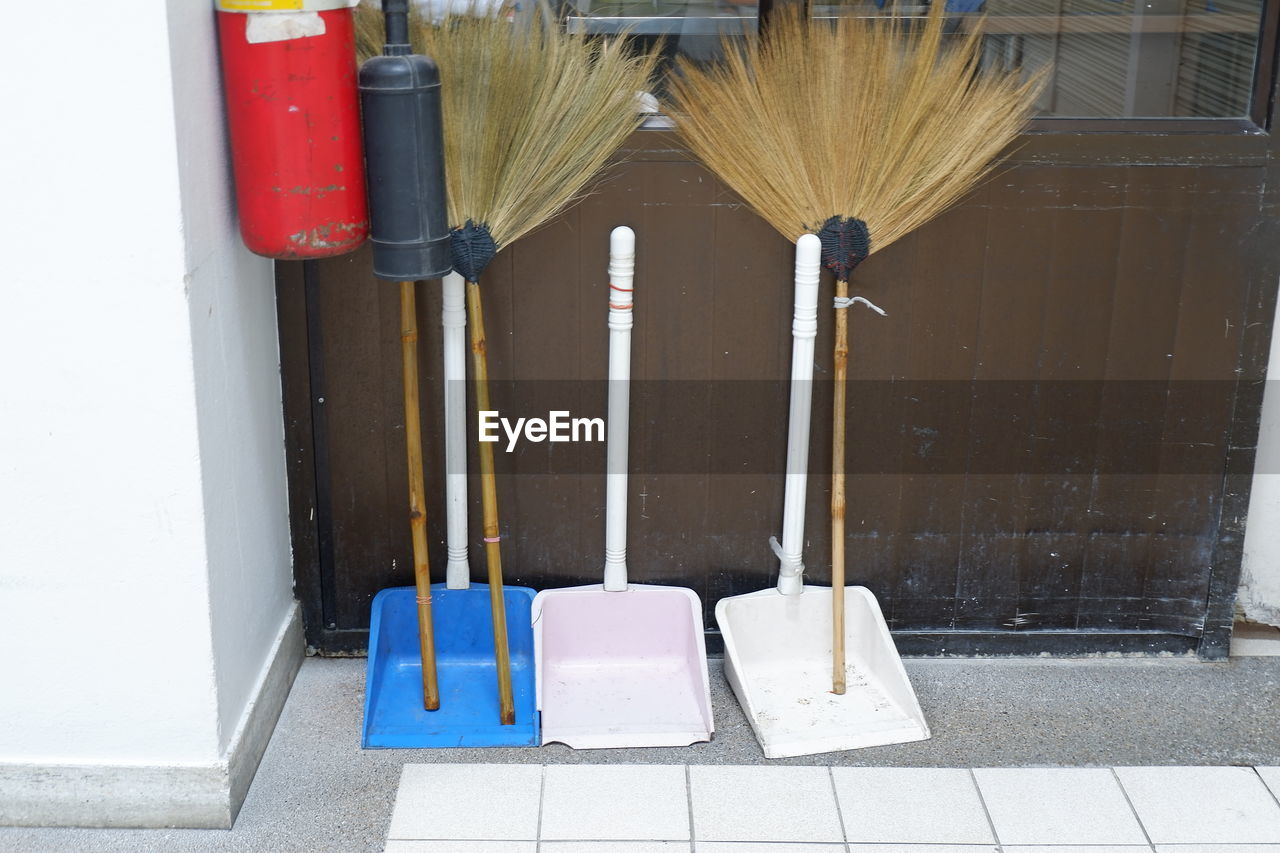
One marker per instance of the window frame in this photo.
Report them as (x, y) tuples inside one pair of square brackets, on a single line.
[(1257, 124)]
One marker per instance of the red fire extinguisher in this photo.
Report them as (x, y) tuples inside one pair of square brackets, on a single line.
[(289, 73)]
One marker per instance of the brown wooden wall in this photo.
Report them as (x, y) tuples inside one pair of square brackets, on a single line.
[(1052, 430)]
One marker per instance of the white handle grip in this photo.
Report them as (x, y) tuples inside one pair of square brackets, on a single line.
[(804, 328), (453, 320), (622, 265)]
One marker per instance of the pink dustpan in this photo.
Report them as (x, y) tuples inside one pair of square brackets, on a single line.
[(618, 664)]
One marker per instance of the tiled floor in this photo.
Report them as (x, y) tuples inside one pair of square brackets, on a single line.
[(317, 791), (628, 808)]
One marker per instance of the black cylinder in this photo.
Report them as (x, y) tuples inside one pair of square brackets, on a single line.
[(396, 15), (404, 159)]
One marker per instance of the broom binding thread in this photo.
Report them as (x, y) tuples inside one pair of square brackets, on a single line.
[(789, 561), (845, 244), (472, 248), (850, 301)]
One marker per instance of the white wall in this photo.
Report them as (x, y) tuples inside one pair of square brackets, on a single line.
[(144, 562), (104, 606), (237, 362)]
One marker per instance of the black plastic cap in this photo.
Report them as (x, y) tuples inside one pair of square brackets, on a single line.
[(404, 159), (472, 248), (845, 244)]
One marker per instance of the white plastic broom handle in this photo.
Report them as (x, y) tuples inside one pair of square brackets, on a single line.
[(622, 265), (453, 319), (804, 328)]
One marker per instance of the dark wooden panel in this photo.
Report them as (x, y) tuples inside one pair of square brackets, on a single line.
[(297, 366), (994, 561), (1040, 431), (750, 339), (945, 316), (877, 555), (1146, 294), (1073, 361), (543, 345), (673, 434)]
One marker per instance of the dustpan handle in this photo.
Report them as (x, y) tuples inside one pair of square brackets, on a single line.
[(804, 328), (453, 320), (622, 265)]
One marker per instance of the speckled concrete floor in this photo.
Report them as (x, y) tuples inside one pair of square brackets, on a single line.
[(318, 791)]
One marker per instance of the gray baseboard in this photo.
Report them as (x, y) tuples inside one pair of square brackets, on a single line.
[(259, 720), (188, 796)]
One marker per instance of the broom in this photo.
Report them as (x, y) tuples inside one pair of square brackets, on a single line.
[(531, 114), (859, 131)]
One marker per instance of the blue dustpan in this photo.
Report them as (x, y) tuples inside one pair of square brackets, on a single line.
[(468, 715)]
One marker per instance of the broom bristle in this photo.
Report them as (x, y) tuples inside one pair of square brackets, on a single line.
[(531, 113), (866, 119)]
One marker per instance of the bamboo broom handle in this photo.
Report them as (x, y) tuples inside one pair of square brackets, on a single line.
[(841, 368), (489, 500), (417, 494)]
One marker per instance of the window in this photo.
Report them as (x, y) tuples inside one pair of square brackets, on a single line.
[(1108, 58), (1133, 58)]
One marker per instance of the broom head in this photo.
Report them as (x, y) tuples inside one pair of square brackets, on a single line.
[(859, 131), (531, 115)]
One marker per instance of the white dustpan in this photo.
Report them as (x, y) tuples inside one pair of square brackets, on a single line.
[(778, 643), (620, 665)]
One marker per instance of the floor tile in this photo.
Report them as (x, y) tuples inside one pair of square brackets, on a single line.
[(1086, 848), (1271, 777), (794, 804), (767, 847), (615, 802), (1057, 806), (467, 801), (1202, 805), (615, 847), (911, 805), (1216, 848), (924, 848), (402, 846)]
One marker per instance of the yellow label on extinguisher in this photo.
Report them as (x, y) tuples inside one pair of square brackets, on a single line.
[(260, 5), (282, 5)]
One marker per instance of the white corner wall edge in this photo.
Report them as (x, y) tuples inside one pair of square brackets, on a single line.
[(196, 796), (258, 721), (146, 561), (1259, 595), (235, 371)]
